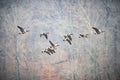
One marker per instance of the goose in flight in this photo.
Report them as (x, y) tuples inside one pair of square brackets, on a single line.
[(51, 50), (68, 36), (46, 51), (53, 45), (83, 35), (68, 40), (98, 31), (45, 35), (23, 31)]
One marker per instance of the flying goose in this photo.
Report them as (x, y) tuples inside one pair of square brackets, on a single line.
[(68, 40), (23, 31), (45, 35), (46, 51), (98, 31), (68, 36), (83, 35), (51, 50), (53, 45)]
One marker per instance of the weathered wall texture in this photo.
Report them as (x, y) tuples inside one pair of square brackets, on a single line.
[(93, 58)]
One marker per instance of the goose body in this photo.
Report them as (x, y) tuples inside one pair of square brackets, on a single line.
[(83, 35), (51, 50), (98, 31), (23, 31), (68, 40), (46, 51), (68, 36), (45, 35), (53, 45)]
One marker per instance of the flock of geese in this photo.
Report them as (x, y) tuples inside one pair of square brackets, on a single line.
[(68, 38)]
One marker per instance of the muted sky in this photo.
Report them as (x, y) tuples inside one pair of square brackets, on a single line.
[(94, 58)]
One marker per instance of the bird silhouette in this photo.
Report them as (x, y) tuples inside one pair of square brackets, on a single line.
[(51, 50), (83, 35), (68, 40), (23, 31), (45, 35), (46, 51), (68, 36), (53, 45), (98, 31)]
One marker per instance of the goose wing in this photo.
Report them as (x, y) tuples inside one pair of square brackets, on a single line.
[(97, 30), (69, 41), (51, 50), (46, 36), (47, 52), (21, 29), (70, 37), (51, 43)]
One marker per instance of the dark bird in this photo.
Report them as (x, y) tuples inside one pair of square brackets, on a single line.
[(98, 31), (83, 35), (23, 31), (68, 36), (45, 35), (46, 51), (68, 40), (51, 50), (53, 45)]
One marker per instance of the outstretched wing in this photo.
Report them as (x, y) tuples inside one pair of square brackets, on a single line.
[(21, 29), (47, 52), (69, 42), (97, 30), (51, 43), (51, 50), (70, 37), (46, 36)]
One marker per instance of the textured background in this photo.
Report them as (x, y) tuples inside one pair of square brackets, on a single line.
[(95, 58)]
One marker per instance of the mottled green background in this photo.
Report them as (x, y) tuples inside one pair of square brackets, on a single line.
[(93, 58)]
